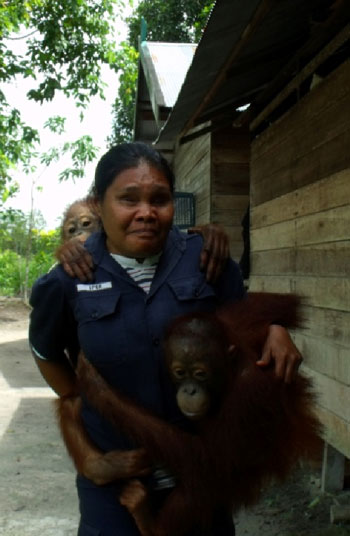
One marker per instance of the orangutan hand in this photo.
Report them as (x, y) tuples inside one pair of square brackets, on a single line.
[(76, 260), (215, 250), (116, 465)]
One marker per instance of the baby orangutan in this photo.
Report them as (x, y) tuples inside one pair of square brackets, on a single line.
[(248, 425), (80, 220)]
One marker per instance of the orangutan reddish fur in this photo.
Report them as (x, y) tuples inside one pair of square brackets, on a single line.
[(262, 427), (80, 220)]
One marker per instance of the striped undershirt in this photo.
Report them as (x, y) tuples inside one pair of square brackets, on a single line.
[(142, 272)]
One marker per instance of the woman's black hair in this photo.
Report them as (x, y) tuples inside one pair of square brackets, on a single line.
[(127, 156)]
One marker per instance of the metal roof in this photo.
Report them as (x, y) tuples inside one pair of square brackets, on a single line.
[(246, 52), (162, 70), (169, 63)]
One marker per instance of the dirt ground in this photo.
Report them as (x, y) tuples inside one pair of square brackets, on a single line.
[(37, 492)]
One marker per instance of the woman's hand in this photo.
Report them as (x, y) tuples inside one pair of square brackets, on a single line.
[(280, 349), (76, 260), (215, 250)]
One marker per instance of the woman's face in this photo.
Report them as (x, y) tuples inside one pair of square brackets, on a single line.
[(137, 212)]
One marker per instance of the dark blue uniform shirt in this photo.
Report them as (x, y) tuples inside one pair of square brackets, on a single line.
[(120, 327)]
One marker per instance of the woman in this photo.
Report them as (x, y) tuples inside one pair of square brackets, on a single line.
[(146, 274)]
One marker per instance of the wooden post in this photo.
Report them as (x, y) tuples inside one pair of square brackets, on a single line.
[(333, 469)]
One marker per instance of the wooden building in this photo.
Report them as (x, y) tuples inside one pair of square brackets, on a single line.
[(288, 156), (300, 233), (215, 168)]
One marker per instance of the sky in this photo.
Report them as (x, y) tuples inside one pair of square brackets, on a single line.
[(55, 196)]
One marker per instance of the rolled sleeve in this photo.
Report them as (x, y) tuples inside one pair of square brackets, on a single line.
[(50, 329)]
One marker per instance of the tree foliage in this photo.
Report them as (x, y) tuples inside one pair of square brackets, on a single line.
[(67, 41), (14, 229), (26, 251), (124, 106), (81, 151), (18, 267), (171, 21), (174, 21)]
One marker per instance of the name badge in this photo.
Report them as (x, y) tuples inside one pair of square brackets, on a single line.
[(92, 287)]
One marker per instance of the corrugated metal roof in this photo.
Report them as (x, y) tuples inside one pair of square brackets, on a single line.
[(169, 62), (244, 50)]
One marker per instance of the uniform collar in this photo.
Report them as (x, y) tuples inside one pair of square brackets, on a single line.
[(174, 247), (127, 262)]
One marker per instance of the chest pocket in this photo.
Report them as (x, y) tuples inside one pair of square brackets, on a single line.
[(101, 328), (192, 288), (93, 306)]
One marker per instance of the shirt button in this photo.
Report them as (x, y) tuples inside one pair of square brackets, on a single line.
[(155, 341), (196, 292), (94, 314)]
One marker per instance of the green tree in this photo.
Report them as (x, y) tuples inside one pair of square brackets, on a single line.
[(67, 43), (13, 230), (22, 234), (124, 105), (174, 21), (81, 152), (171, 21), (18, 270)]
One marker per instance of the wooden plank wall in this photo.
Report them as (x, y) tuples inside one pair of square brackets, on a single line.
[(192, 172), (230, 183), (300, 234)]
